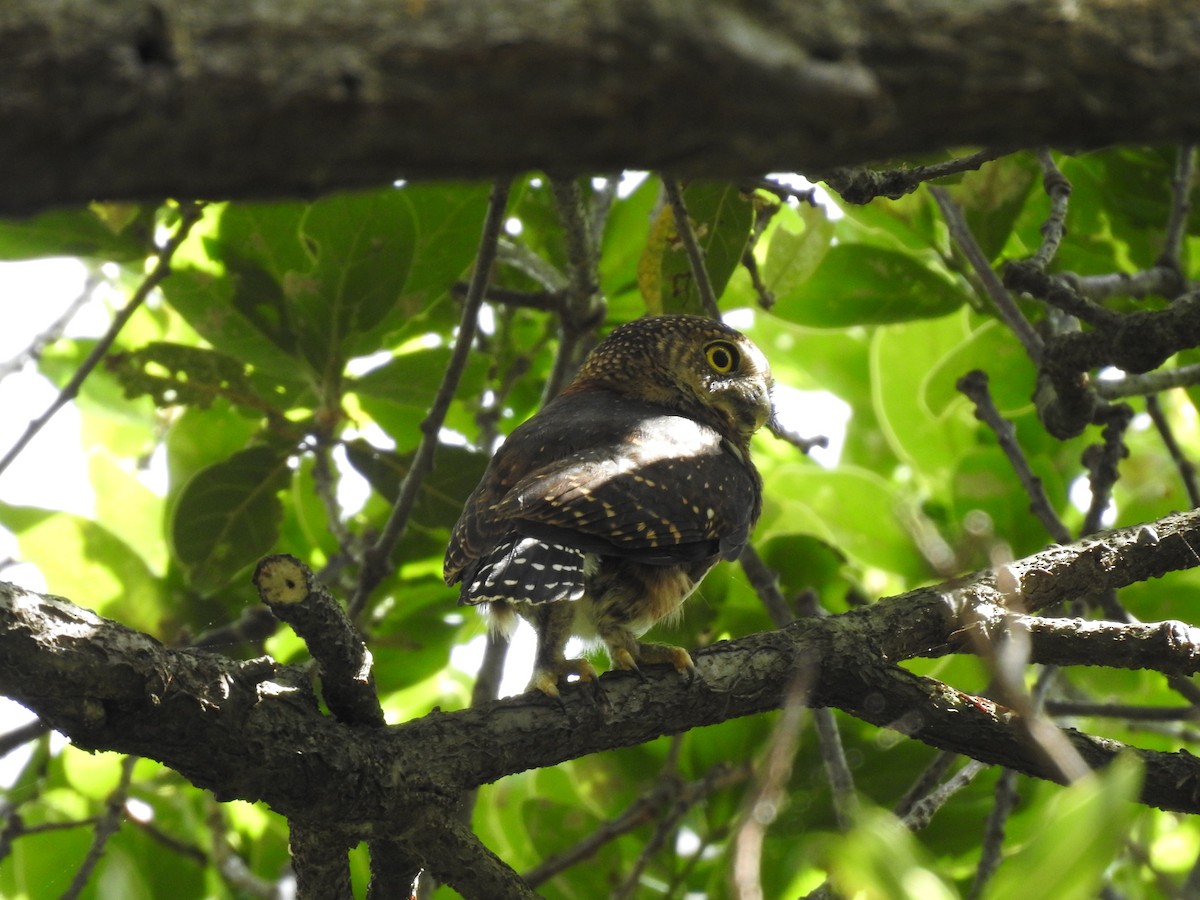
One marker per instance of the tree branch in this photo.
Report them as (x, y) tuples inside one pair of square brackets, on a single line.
[(252, 729), (312, 97)]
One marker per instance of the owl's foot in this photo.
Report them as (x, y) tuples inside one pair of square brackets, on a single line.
[(547, 678), (652, 654)]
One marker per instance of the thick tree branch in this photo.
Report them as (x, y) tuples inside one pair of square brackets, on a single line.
[(252, 729), (227, 99)]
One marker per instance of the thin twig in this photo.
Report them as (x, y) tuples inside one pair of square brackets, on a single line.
[(1149, 383), (21, 735), (325, 485), (924, 808), (189, 215), (1159, 280), (1101, 461), (687, 235), (763, 214), (1005, 801), (231, 868), (975, 386), (106, 827), (766, 796), (859, 186), (1130, 713), (1005, 306), (1181, 206), (1054, 229), (376, 559), (837, 770), (926, 782), (766, 584), (1185, 467), (52, 332), (667, 794), (544, 300), (1059, 291), (524, 260), (584, 307)]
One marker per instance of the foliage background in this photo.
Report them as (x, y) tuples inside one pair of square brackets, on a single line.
[(295, 348)]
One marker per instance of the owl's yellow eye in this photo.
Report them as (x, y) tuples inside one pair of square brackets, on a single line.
[(722, 356)]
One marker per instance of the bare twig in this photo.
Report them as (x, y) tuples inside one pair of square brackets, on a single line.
[(766, 584), (524, 260), (295, 596), (544, 301), (1158, 280), (1149, 383), (1181, 206), (106, 827), (925, 807), (1005, 306), (189, 215), (1186, 468), (52, 332), (860, 186), (22, 735), (993, 833), (765, 798), (1101, 461), (1078, 708), (230, 866), (584, 306), (687, 235), (1058, 291), (376, 560), (1058, 189), (667, 793), (975, 386)]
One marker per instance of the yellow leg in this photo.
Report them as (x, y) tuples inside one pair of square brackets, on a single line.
[(547, 678)]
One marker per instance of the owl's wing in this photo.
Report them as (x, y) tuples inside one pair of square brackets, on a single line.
[(668, 490)]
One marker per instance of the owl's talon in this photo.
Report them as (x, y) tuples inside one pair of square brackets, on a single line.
[(547, 678), (624, 660)]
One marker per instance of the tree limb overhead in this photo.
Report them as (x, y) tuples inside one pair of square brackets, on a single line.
[(130, 100)]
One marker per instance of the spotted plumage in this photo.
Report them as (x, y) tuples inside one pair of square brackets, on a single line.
[(600, 515)]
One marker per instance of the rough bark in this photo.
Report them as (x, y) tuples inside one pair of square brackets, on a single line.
[(131, 99), (252, 729)]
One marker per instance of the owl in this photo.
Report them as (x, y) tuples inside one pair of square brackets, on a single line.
[(601, 514)]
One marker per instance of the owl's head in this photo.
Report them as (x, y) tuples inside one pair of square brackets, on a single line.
[(700, 367)]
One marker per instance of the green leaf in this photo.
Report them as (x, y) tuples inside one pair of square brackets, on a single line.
[(83, 560), (793, 257), (721, 217), (993, 196), (880, 859), (363, 244), (992, 348), (856, 511), (241, 312), (455, 473), (110, 232), (228, 515), (398, 394), (860, 285), (927, 430), (180, 375), (625, 235), (1080, 832)]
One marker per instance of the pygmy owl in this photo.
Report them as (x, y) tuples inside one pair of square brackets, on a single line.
[(598, 516)]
